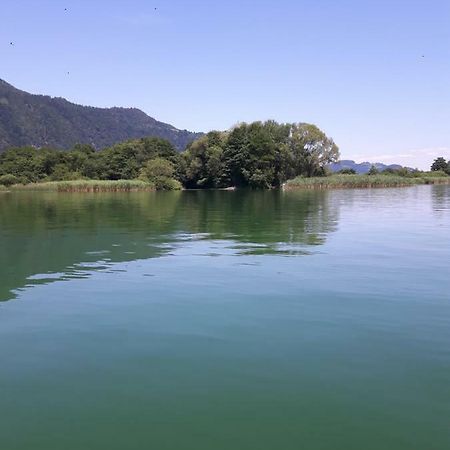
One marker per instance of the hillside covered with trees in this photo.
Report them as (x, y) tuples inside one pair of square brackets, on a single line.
[(43, 121)]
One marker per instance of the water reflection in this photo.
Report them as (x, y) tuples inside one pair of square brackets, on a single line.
[(48, 236), (441, 198)]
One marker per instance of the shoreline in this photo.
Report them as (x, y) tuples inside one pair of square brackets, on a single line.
[(85, 186), (300, 183), (362, 182)]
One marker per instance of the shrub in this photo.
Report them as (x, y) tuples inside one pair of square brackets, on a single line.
[(373, 171), (159, 172), (8, 180), (347, 171)]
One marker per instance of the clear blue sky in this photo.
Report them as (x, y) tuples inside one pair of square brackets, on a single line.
[(353, 67)]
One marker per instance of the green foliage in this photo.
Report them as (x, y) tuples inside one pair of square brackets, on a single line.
[(435, 174), (440, 164), (43, 121), (313, 150), (89, 186), (121, 162), (347, 171), (8, 180), (203, 165), (364, 181), (373, 171), (159, 172), (257, 155)]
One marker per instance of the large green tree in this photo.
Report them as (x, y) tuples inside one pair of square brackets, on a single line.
[(202, 165), (312, 150), (257, 155), (440, 164)]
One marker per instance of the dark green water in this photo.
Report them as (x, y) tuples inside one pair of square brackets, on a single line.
[(225, 320)]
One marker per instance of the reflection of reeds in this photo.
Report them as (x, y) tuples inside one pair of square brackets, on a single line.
[(89, 186), (362, 181)]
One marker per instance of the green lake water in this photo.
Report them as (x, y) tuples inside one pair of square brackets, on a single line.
[(225, 320)]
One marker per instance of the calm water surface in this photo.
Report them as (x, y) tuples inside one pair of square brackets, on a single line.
[(225, 320)]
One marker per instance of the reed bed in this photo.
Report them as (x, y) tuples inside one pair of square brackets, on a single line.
[(88, 186), (362, 181)]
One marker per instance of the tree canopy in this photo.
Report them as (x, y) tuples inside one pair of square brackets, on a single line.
[(255, 155), (441, 164)]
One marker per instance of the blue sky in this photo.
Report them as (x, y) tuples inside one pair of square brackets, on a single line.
[(374, 75)]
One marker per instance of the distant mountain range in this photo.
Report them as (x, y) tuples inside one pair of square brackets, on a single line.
[(363, 167), (40, 120)]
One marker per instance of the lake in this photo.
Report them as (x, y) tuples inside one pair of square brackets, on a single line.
[(225, 320)]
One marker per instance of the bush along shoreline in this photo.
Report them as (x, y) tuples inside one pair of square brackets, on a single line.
[(259, 155)]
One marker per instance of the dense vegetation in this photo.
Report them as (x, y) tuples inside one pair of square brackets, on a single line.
[(42, 121), (389, 177), (440, 164), (384, 179), (258, 155), (150, 160)]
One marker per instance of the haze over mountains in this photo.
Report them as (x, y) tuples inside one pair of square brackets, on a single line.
[(43, 121), (363, 167)]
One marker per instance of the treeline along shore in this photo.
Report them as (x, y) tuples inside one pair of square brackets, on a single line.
[(260, 155)]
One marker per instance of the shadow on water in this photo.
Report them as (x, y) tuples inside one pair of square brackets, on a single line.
[(50, 236)]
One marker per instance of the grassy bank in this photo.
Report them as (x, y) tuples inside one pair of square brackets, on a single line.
[(340, 181), (87, 186), (336, 181)]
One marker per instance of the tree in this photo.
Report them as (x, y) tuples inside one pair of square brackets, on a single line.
[(440, 164), (203, 163), (159, 172), (8, 180), (84, 148), (347, 171), (257, 155), (373, 171), (312, 149)]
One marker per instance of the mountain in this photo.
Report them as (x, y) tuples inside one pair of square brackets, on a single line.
[(363, 167), (40, 120)]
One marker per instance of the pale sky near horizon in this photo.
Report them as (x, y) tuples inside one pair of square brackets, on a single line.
[(374, 75)]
